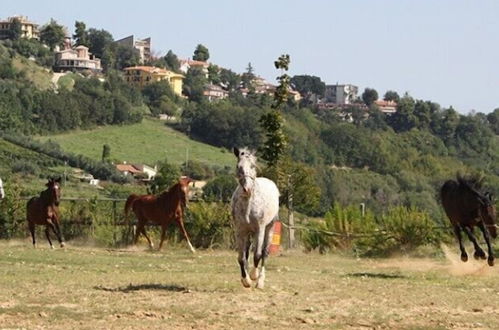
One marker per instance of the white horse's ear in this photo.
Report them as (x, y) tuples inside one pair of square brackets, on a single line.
[(236, 152)]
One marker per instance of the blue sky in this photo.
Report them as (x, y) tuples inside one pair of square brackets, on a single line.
[(446, 51)]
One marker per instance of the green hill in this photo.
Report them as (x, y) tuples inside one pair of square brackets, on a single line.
[(147, 142)]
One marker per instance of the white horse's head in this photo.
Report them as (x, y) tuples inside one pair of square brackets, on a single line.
[(246, 169)]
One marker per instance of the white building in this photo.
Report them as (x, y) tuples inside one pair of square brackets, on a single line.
[(341, 94), (142, 45)]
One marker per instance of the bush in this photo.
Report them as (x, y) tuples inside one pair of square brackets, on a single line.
[(24, 167), (400, 230), (220, 188), (209, 225)]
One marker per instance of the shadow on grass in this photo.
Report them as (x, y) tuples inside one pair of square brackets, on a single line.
[(376, 275), (138, 287)]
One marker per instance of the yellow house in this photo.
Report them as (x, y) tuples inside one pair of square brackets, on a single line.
[(29, 30), (142, 75)]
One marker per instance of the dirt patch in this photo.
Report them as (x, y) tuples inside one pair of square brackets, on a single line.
[(471, 267)]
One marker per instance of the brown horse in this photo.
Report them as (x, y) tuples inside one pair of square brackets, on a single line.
[(44, 210), (160, 210), (467, 207)]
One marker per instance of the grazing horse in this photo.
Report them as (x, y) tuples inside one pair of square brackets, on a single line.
[(467, 207), (2, 192), (255, 207), (160, 210), (44, 210)]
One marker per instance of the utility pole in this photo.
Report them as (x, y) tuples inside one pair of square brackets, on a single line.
[(291, 219)]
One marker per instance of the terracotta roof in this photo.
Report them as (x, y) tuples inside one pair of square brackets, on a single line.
[(153, 69), (383, 103), (127, 168), (194, 63)]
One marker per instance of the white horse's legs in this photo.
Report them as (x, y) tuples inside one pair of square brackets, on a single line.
[(243, 245), (261, 279), (261, 252)]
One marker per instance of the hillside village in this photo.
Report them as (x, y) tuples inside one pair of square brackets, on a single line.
[(401, 147)]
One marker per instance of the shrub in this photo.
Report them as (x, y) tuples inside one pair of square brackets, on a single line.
[(209, 225)]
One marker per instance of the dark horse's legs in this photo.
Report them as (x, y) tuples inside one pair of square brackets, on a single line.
[(31, 227), (57, 231), (457, 231), (478, 250), (486, 235), (47, 233)]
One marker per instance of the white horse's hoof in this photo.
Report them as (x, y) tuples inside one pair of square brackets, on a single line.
[(254, 274), (62, 244), (52, 247), (261, 283), (246, 282)]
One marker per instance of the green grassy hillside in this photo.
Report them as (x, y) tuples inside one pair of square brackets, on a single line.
[(148, 142)]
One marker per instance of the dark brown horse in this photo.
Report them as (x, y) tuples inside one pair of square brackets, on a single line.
[(44, 210), (467, 207), (160, 210)]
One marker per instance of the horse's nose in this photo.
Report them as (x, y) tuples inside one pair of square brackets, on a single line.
[(247, 191)]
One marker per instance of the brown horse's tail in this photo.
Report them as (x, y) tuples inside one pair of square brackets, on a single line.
[(129, 203)]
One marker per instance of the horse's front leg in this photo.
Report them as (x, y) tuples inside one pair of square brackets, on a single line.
[(57, 230), (479, 253), (47, 233), (243, 245), (457, 231), (180, 223), (486, 235)]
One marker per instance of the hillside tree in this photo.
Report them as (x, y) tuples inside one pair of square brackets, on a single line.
[(81, 35), (369, 96), (52, 34), (201, 53)]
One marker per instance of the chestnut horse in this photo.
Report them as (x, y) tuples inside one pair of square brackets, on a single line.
[(160, 210), (44, 210), (467, 207)]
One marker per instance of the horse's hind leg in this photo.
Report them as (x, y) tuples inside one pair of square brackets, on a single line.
[(243, 245), (457, 231), (47, 233), (163, 233), (31, 227), (486, 235), (479, 253)]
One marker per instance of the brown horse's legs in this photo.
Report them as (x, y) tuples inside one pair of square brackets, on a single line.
[(457, 231), (180, 223), (47, 233), (163, 233), (141, 229), (479, 253), (31, 227), (486, 235)]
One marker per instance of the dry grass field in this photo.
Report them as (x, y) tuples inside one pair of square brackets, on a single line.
[(94, 288)]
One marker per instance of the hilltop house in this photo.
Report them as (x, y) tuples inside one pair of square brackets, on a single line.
[(341, 94), (387, 107), (215, 92), (185, 65), (143, 75), (29, 30), (75, 59), (137, 170), (142, 45)]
